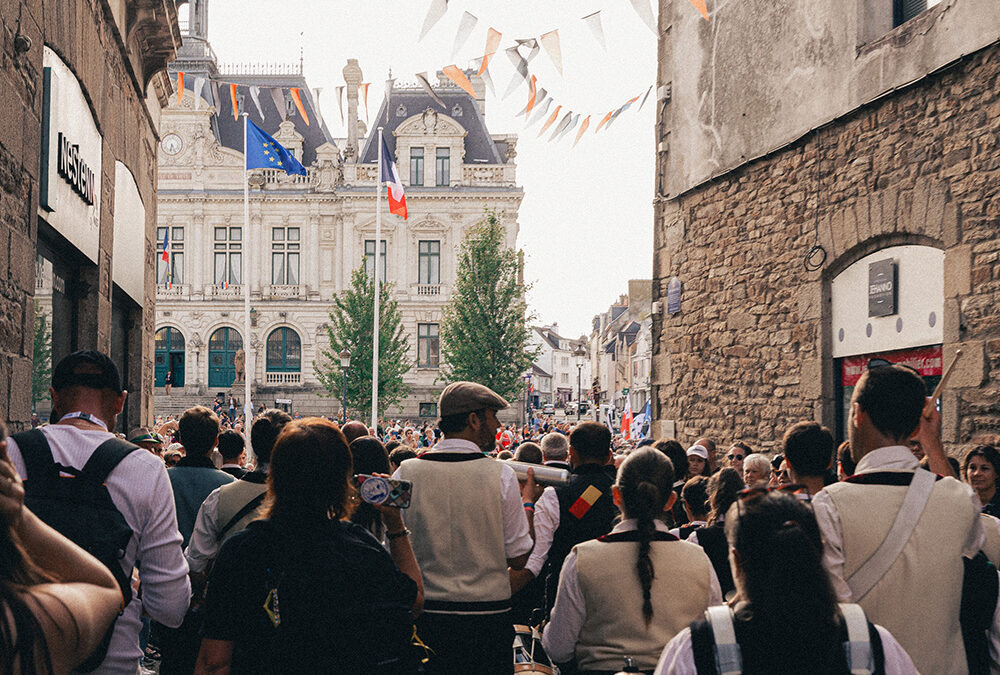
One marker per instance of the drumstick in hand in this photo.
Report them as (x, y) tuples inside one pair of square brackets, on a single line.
[(944, 378)]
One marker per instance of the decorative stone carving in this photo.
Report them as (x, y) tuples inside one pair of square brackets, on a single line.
[(430, 121), (511, 148), (457, 111), (401, 110)]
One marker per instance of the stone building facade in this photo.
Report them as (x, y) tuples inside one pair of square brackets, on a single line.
[(81, 85), (838, 199), (621, 351), (557, 360), (309, 233)]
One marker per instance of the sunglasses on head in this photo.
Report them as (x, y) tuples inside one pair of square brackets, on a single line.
[(877, 363)]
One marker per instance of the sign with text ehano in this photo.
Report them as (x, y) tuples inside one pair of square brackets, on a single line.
[(882, 288)]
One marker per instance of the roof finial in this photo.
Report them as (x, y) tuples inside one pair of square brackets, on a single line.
[(301, 59)]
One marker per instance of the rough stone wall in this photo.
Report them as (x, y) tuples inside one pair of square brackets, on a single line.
[(749, 354), (82, 32)]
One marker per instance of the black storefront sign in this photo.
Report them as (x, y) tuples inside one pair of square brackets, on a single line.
[(882, 288), (74, 170)]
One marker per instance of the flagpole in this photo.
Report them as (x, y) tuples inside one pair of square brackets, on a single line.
[(248, 361), (378, 281)]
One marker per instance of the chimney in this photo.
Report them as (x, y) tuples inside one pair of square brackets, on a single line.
[(478, 86), (352, 79)]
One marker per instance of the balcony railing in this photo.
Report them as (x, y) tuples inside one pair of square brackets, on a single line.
[(175, 291), (284, 290), (232, 291), (283, 378), (278, 178), (433, 290)]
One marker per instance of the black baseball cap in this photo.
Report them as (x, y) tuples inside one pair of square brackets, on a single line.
[(66, 373)]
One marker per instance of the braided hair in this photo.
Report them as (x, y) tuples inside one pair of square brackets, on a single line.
[(645, 480)]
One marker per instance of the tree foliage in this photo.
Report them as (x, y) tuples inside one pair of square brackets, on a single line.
[(41, 364), (351, 326), (485, 335)]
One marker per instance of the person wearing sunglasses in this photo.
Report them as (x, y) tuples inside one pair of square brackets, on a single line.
[(913, 588), (737, 453), (788, 620)]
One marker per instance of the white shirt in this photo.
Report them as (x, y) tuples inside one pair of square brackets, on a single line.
[(203, 546), (140, 490), (890, 458), (517, 538), (546, 523), (678, 659), (570, 612)]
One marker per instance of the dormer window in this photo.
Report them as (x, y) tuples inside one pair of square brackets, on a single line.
[(401, 110)]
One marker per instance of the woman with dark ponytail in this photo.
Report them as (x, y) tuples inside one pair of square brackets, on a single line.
[(618, 594), (788, 620)]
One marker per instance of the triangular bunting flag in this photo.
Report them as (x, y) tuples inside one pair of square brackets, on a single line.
[(298, 104), (538, 100), (364, 90), (422, 79), (465, 27), (340, 103), (532, 93), (548, 123), (561, 127), (180, 87), (434, 14), (234, 101), (458, 77), (583, 128), (492, 43), (642, 8), (279, 102), (569, 127), (540, 110), (550, 41), (255, 97), (644, 98), (700, 6), (199, 83), (607, 118), (593, 22)]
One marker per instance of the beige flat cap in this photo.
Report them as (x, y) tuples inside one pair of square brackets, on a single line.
[(465, 397)]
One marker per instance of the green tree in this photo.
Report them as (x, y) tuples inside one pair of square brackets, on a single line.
[(41, 364), (485, 335), (351, 326)]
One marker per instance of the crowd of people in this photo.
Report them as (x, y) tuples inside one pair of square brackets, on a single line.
[(205, 544)]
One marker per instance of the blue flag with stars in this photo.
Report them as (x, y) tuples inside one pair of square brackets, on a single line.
[(263, 152)]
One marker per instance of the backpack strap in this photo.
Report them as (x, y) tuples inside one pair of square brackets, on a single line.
[(247, 509), (105, 458), (728, 656), (858, 648), (873, 569), (39, 465)]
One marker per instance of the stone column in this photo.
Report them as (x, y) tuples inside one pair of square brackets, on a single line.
[(353, 77)]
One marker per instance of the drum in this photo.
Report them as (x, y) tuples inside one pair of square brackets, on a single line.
[(529, 657)]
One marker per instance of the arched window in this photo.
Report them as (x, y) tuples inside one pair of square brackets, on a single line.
[(222, 348), (169, 356), (284, 351)]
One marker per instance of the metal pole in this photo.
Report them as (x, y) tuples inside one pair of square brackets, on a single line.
[(248, 361), (579, 368), (343, 397), (378, 281)]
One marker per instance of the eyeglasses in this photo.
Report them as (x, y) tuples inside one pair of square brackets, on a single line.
[(731, 456)]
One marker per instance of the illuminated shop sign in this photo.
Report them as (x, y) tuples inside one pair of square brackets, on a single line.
[(74, 170)]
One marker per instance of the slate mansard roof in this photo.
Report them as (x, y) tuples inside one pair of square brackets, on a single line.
[(480, 148)]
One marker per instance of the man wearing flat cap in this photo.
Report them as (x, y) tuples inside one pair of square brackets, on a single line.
[(468, 527)]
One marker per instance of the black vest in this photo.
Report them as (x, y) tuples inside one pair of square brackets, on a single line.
[(713, 540), (597, 521)]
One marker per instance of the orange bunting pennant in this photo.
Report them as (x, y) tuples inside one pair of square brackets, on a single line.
[(583, 128), (700, 6), (549, 122), (456, 75), (532, 95), (236, 105), (180, 87), (604, 121), (298, 104), (492, 43), (364, 88)]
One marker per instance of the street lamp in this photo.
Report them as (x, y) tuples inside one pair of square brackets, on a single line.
[(345, 363), (579, 353), (527, 399)]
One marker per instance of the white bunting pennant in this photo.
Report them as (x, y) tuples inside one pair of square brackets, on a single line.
[(340, 102), (434, 14), (593, 22), (488, 80), (540, 111), (216, 101), (572, 123), (465, 27), (314, 95), (550, 41), (644, 98), (539, 97), (279, 102), (255, 97), (199, 83), (422, 79), (389, 84), (641, 8), (567, 118), (520, 62)]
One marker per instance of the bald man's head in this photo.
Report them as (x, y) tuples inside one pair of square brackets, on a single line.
[(353, 430)]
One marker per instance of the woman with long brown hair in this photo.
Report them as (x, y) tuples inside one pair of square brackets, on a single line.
[(56, 600), (304, 589)]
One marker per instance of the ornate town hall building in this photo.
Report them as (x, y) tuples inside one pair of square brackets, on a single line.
[(308, 233)]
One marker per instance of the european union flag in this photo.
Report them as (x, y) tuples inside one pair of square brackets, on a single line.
[(263, 152)]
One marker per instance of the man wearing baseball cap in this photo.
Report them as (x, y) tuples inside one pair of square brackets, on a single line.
[(468, 527), (87, 397)]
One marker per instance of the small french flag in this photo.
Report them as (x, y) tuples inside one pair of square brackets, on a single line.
[(166, 244), (397, 198)]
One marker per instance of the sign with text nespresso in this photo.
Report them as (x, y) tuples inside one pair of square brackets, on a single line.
[(882, 288), (70, 177)]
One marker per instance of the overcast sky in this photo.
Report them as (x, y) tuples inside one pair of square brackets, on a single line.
[(586, 221)]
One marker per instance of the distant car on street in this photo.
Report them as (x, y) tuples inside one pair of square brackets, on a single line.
[(548, 409)]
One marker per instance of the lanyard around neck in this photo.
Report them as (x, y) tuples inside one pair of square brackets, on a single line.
[(87, 417)]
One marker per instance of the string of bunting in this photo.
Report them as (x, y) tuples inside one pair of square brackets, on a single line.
[(295, 94)]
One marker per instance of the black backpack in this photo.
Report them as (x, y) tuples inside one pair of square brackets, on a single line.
[(77, 504)]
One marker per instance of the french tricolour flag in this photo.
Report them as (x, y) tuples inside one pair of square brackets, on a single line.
[(397, 199)]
